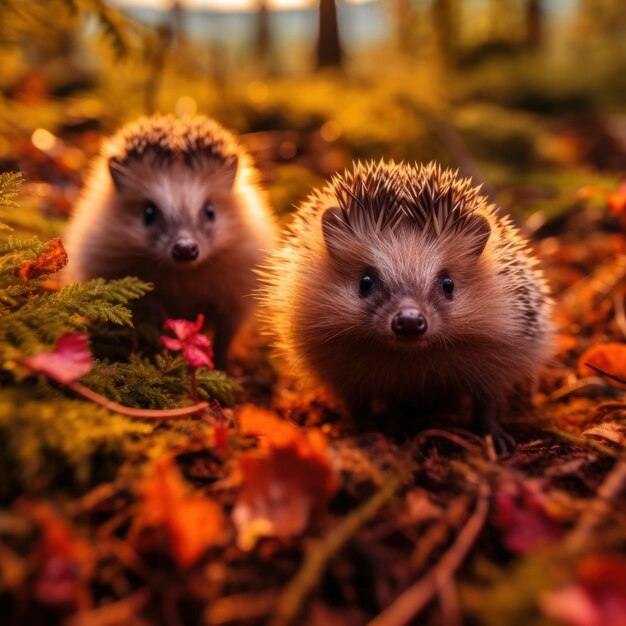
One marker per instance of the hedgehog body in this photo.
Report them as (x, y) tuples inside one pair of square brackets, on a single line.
[(175, 202), (399, 285)]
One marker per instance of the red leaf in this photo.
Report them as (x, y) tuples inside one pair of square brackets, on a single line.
[(70, 359), (284, 482), (65, 562), (193, 523), (596, 598)]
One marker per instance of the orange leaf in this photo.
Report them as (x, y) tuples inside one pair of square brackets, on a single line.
[(48, 262), (272, 430), (194, 523), (609, 357), (284, 482), (617, 200)]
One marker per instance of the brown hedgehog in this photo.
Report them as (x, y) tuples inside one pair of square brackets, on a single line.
[(399, 286), (176, 203)]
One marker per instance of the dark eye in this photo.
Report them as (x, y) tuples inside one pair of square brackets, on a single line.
[(366, 284), (447, 284), (209, 211), (150, 213)]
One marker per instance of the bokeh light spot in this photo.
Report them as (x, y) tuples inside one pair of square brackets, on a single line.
[(330, 131), (43, 139), (185, 106)]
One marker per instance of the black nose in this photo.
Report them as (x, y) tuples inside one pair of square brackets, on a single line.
[(185, 250), (409, 323)]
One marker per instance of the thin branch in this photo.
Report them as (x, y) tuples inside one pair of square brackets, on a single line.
[(463, 442), (416, 597), (598, 509), (238, 607), (320, 553), (589, 383), (603, 373)]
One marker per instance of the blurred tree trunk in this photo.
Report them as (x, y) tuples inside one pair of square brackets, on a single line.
[(329, 52), (263, 40), (404, 18), (177, 22), (534, 23), (444, 21)]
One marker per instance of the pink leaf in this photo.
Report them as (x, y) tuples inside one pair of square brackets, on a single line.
[(70, 359), (523, 517), (196, 347)]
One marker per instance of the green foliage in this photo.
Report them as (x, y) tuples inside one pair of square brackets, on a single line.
[(33, 317), (158, 385), (511, 596), (57, 18), (9, 188), (44, 435)]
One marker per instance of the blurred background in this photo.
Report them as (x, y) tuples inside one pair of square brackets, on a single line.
[(527, 96)]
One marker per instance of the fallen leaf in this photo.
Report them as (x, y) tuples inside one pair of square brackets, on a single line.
[(596, 598), (284, 482), (420, 507), (272, 431), (608, 357), (65, 562), (193, 523), (69, 360), (612, 432), (617, 199), (48, 262), (523, 516)]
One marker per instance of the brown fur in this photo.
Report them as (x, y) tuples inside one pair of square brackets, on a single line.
[(411, 224), (177, 164)]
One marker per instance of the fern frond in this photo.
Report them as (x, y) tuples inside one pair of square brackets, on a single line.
[(10, 183)]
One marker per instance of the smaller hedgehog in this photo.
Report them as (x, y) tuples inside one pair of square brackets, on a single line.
[(176, 203), (399, 286)]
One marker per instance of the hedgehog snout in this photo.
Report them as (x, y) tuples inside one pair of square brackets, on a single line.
[(409, 322), (185, 249)]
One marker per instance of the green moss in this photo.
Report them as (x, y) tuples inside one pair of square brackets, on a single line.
[(45, 438)]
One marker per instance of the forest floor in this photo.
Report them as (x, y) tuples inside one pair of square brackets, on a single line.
[(273, 510)]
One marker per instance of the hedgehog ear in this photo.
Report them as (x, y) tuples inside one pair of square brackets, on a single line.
[(333, 230), (117, 169), (231, 165), (478, 230)]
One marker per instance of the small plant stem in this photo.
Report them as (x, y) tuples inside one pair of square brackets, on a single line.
[(194, 385), (156, 414), (320, 553)]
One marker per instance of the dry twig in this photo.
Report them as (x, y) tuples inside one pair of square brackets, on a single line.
[(598, 509), (416, 597)]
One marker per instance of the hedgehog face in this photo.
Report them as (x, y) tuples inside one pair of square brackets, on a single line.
[(406, 290), (183, 213)]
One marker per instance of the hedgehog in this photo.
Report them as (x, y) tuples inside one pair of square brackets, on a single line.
[(399, 286), (175, 202)]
